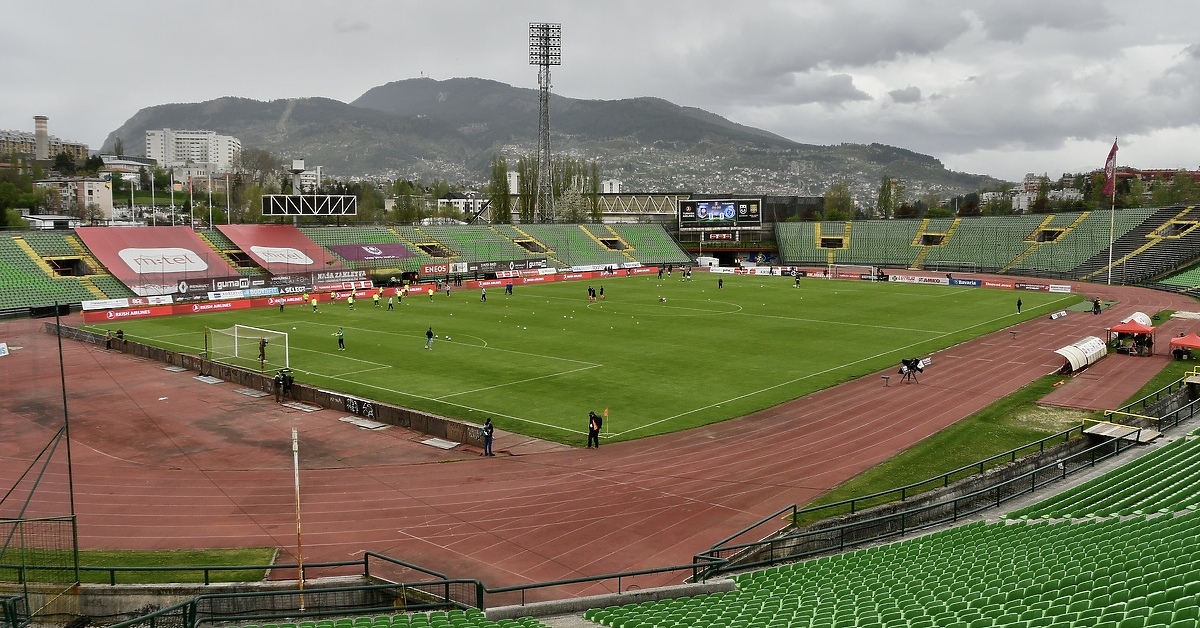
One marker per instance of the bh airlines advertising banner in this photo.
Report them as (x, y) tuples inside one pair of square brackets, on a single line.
[(158, 260)]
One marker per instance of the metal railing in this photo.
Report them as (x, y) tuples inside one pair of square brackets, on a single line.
[(719, 559), (902, 493), (385, 566), (13, 611)]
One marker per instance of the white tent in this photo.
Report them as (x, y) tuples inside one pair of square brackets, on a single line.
[(1140, 317), (1082, 353)]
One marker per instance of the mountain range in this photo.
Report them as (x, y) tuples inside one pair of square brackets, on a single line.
[(451, 129)]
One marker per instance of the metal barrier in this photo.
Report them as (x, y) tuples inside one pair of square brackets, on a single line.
[(620, 578), (13, 611), (717, 560), (902, 493)]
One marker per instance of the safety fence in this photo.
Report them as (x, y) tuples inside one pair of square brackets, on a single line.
[(13, 611), (358, 600), (724, 556)]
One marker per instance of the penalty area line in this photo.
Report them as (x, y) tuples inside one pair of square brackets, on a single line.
[(455, 405), (811, 375), (519, 381)]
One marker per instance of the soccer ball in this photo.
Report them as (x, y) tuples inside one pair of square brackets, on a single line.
[(447, 337)]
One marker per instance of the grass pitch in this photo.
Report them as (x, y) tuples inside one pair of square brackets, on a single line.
[(662, 355)]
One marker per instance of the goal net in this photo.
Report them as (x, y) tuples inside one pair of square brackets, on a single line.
[(249, 347), (852, 271)]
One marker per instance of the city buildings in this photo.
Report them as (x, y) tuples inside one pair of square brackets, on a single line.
[(174, 148), (89, 198), (40, 144)]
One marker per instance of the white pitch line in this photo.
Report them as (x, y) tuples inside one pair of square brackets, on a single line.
[(456, 405), (485, 346), (810, 375), (519, 381), (377, 368)]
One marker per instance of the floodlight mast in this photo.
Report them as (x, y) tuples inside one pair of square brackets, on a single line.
[(545, 50)]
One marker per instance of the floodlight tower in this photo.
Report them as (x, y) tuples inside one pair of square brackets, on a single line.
[(545, 50)]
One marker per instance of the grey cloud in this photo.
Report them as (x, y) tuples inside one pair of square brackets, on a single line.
[(1012, 21), (908, 94), (342, 25), (832, 89)]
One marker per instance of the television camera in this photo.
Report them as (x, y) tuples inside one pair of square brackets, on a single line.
[(909, 367)]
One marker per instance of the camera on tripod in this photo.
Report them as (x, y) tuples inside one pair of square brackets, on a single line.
[(909, 367)]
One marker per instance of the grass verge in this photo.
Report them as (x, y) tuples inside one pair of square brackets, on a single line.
[(152, 567), (1007, 424)]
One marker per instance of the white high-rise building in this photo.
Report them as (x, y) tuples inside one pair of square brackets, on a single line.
[(172, 148)]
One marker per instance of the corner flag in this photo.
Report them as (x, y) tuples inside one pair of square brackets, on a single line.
[(1110, 171)]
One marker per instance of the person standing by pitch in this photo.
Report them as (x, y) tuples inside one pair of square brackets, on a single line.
[(594, 425)]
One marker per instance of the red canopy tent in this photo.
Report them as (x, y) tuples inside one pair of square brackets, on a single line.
[(1190, 341), (1142, 338)]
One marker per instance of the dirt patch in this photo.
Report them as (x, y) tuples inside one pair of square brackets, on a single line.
[(1050, 418)]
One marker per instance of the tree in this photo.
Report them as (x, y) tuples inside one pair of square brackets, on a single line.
[(10, 196), (260, 165), (93, 164), (968, 205), (838, 200), (885, 205), (1136, 196), (997, 206), (118, 146), (497, 193), (1041, 204), (143, 178), (526, 187), (64, 164)]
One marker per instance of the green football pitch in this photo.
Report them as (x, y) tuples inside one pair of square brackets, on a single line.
[(661, 355)]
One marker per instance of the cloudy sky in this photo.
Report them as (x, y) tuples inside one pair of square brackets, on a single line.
[(991, 87)]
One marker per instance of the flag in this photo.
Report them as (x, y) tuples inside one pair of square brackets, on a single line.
[(1110, 171), (606, 413)]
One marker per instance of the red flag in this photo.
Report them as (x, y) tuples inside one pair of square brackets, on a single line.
[(1110, 171)]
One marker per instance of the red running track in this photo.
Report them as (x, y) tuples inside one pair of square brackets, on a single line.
[(164, 461)]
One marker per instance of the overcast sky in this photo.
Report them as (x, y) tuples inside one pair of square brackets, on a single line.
[(990, 87)]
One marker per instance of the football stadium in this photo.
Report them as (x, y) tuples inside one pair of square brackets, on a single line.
[(283, 426)]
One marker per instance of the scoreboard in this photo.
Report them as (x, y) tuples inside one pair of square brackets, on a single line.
[(720, 214)]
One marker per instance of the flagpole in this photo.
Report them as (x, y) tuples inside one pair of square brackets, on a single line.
[(1110, 186), (1112, 231)]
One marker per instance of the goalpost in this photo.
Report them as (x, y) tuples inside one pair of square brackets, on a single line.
[(249, 347), (851, 271)]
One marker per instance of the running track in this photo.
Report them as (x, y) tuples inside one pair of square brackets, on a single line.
[(164, 461)]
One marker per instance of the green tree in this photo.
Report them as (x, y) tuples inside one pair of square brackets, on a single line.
[(839, 203), (64, 164), (526, 187), (1001, 206), (1041, 203), (93, 164), (1136, 194), (118, 146), (497, 193), (10, 196), (885, 202), (968, 204), (143, 178)]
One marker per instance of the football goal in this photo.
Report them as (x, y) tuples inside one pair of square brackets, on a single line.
[(248, 347), (852, 271)]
